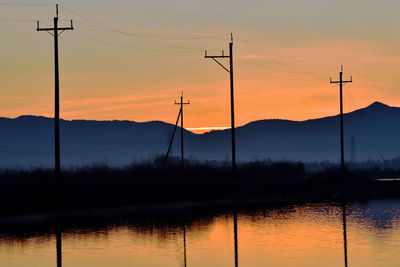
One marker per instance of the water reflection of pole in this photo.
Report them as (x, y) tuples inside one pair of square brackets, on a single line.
[(59, 247), (184, 245), (235, 233), (344, 235)]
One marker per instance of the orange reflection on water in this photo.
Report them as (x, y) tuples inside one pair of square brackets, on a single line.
[(310, 235)]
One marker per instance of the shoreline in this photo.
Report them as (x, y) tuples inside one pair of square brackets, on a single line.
[(164, 209), (149, 186)]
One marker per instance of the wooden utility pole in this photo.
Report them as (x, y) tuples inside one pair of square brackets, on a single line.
[(344, 234), (235, 237), (341, 82), (56, 31), (181, 103), (230, 70), (184, 246), (172, 138), (59, 245)]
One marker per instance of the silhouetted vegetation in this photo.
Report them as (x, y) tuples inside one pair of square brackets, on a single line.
[(150, 182)]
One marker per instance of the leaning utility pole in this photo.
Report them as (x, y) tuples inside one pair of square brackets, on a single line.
[(341, 82), (56, 31), (181, 112), (232, 97), (172, 139)]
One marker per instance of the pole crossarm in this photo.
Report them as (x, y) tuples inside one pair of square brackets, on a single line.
[(349, 81), (52, 29), (55, 28), (183, 103), (341, 81), (219, 63)]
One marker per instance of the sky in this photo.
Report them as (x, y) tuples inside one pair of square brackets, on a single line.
[(130, 60)]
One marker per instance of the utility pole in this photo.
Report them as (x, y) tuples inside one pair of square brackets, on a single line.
[(172, 139), (353, 149), (56, 31), (235, 238), (59, 245), (184, 245), (181, 112), (230, 56), (344, 234), (341, 82)]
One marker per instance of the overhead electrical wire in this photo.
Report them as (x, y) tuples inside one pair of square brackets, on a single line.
[(25, 4), (185, 36), (146, 38), (123, 45), (286, 65), (297, 93), (269, 75), (137, 36), (140, 36), (373, 140)]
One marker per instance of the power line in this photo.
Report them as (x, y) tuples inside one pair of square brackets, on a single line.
[(139, 36), (353, 149), (22, 4), (296, 94), (17, 20), (282, 63), (187, 36), (373, 140), (273, 75), (123, 45), (271, 68)]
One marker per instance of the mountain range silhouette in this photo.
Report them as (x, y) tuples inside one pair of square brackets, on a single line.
[(27, 141)]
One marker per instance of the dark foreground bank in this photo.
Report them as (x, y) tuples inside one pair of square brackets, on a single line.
[(37, 191)]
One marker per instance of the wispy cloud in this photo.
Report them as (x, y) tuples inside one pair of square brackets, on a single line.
[(253, 56), (13, 97), (110, 100), (208, 128)]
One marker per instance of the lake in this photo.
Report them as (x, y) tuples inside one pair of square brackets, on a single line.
[(313, 234)]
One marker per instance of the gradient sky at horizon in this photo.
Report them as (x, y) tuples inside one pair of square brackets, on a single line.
[(131, 59)]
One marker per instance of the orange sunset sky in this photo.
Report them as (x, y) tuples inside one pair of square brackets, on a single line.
[(129, 60)]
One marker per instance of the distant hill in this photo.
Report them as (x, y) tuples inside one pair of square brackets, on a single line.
[(376, 130), (28, 140)]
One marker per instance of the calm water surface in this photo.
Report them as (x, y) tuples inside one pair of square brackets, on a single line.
[(304, 235)]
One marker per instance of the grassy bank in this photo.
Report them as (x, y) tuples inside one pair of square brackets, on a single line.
[(99, 186)]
